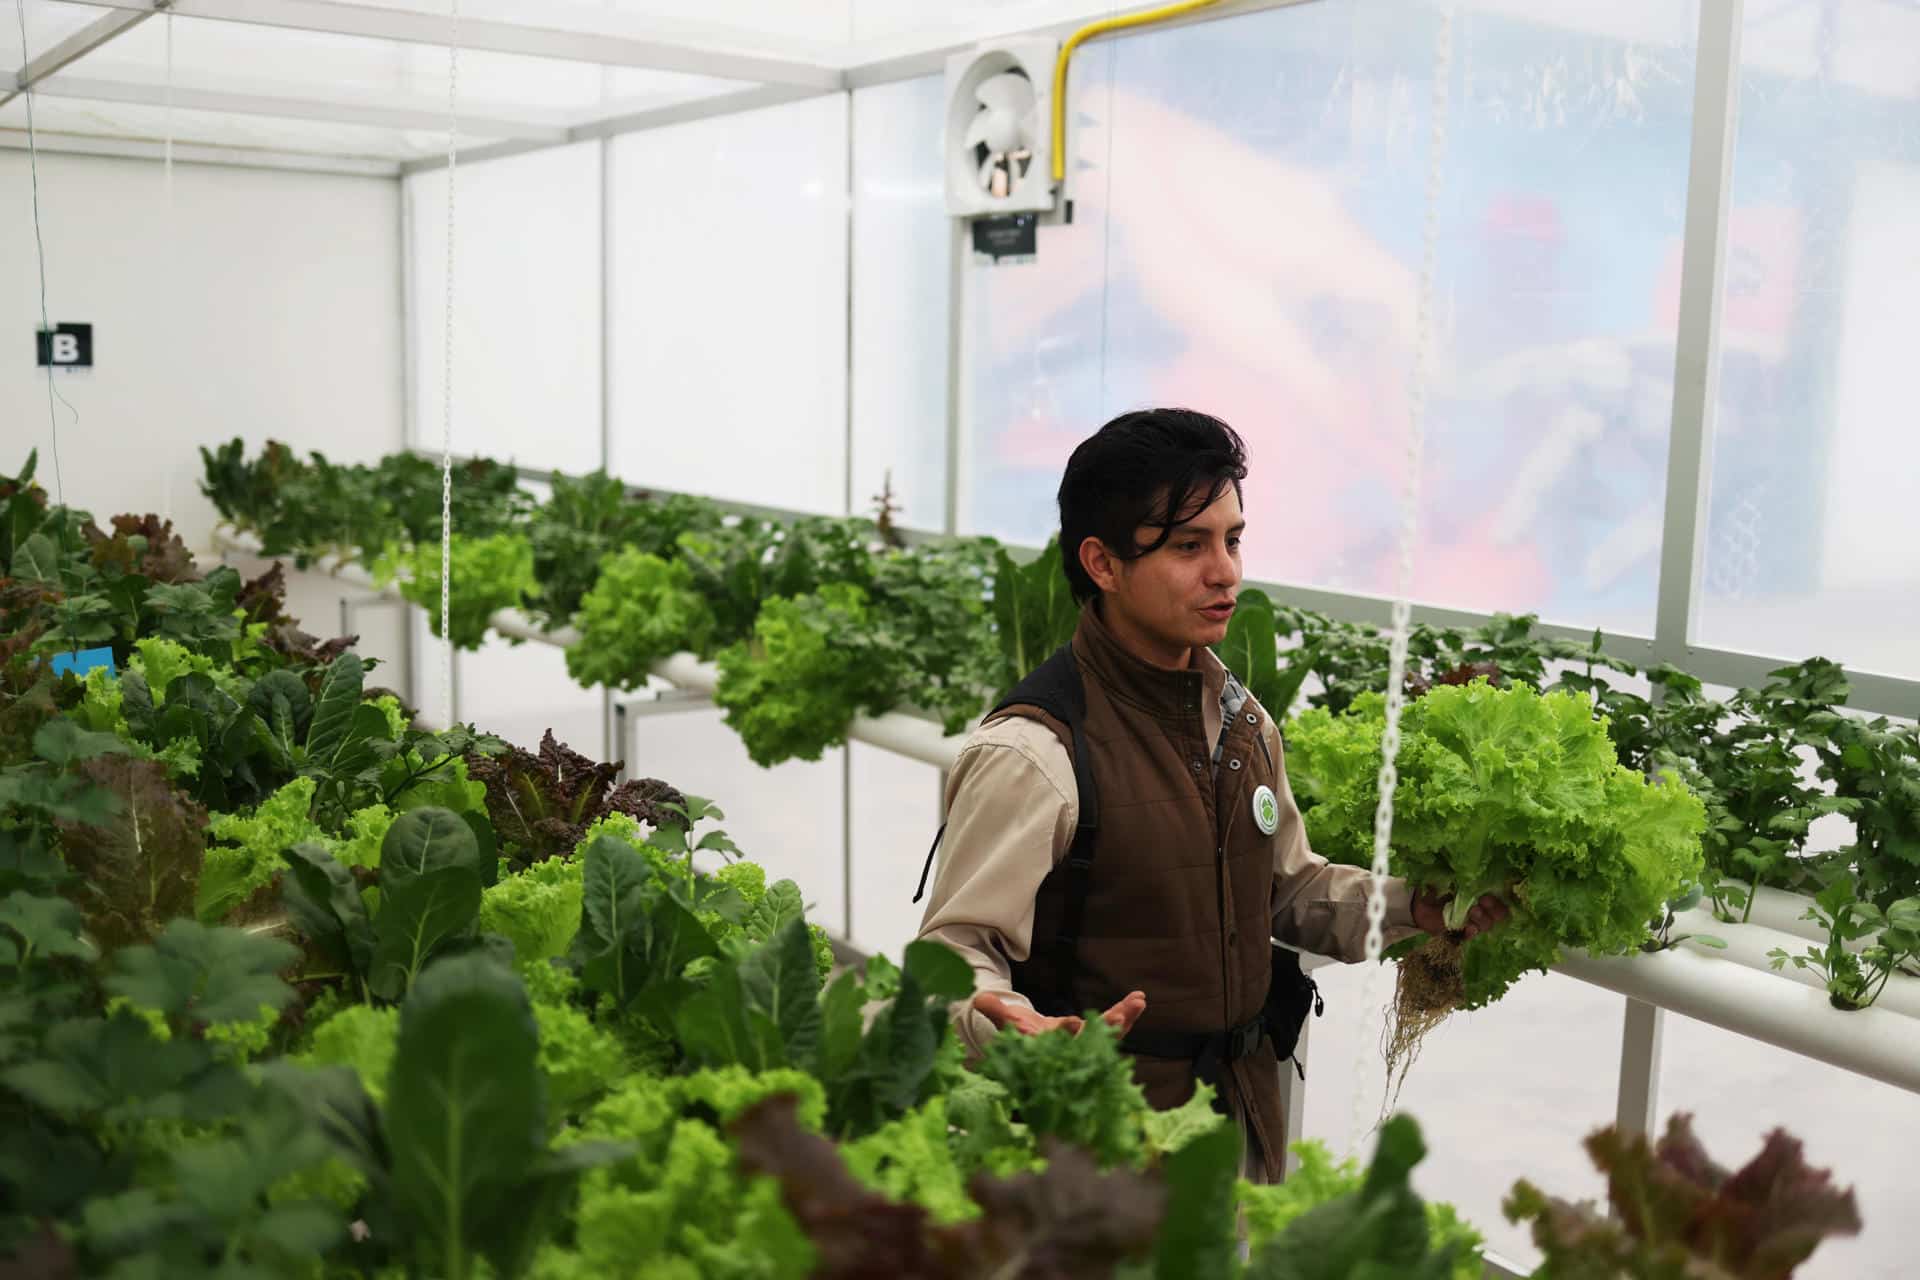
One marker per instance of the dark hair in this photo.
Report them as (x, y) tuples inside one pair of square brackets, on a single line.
[(1152, 466)]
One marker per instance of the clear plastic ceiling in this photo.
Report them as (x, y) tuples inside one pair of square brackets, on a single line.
[(367, 79)]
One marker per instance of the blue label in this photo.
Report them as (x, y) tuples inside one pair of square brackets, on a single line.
[(82, 662)]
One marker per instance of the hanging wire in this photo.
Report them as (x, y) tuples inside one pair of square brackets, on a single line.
[(1371, 1001), (167, 154), (46, 326), (446, 397)]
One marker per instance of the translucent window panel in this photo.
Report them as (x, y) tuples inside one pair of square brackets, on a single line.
[(246, 58), (729, 329), (896, 810), (526, 348), (1249, 198), (1814, 515), (56, 115), (1490, 1113), (901, 288), (789, 818), (1738, 1090)]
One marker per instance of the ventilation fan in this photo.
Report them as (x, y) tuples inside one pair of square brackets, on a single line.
[(999, 129)]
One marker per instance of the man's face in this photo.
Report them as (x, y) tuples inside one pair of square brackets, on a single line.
[(1180, 596)]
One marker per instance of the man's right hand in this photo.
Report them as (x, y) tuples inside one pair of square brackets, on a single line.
[(1004, 1014)]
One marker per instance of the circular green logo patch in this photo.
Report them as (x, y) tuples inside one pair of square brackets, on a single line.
[(1266, 810)]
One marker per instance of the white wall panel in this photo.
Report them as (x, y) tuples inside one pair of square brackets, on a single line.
[(729, 306), (526, 299), (261, 305)]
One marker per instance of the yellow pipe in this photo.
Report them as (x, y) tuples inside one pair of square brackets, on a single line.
[(1080, 37)]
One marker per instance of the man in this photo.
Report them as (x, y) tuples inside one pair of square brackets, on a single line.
[(1200, 856)]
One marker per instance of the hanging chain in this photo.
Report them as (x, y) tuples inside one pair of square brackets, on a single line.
[(446, 393), (1371, 1001)]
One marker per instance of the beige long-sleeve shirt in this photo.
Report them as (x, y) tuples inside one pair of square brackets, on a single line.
[(1011, 810)]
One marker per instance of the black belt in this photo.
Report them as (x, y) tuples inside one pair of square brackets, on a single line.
[(1207, 1050)]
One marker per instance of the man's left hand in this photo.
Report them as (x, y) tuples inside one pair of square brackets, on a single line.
[(1429, 913)]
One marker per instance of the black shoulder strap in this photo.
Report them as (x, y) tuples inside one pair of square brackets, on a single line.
[(1055, 687)]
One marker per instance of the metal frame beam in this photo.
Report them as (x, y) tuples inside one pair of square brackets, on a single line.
[(74, 47), (653, 118), (489, 35), (1696, 374), (391, 115), (81, 144)]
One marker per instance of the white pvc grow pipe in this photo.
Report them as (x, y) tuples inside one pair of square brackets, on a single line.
[(1874, 1042), (1748, 945)]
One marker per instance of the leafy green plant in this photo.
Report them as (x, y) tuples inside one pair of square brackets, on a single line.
[(1856, 979), (1506, 792), (1379, 1230), (1271, 1208), (1033, 609), (541, 805), (641, 609), (1078, 1088), (457, 1161), (490, 573), (1675, 1213), (1663, 938), (814, 663), (432, 875)]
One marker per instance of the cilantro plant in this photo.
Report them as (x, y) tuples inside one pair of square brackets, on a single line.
[(1855, 978)]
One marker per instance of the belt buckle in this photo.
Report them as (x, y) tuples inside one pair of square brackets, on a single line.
[(1243, 1040)]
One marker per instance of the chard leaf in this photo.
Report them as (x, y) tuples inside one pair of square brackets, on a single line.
[(465, 1119), (430, 887), (37, 560), (719, 1028), (1250, 649), (419, 915), (780, 980), (613, 882), (325, 904), (333, 713)]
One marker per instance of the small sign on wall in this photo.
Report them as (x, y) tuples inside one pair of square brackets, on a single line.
[(69, 346)]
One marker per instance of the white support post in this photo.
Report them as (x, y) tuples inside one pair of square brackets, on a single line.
[(1696, 378), (1640, 1041)]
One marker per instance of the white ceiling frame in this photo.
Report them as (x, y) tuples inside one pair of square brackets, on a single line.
[(770, 95), (81, 144), (74, 47), (390, 116), (411, 27)]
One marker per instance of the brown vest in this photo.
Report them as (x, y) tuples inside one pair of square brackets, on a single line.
[(1181, 891)]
